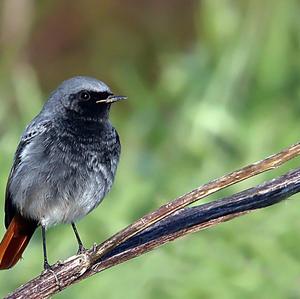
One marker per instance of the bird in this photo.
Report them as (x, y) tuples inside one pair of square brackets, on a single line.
[(64, 165)]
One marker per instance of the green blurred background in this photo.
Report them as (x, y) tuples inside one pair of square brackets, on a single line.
[(212, 85)]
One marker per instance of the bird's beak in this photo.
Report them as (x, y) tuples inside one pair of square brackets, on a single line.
[(111, 99)]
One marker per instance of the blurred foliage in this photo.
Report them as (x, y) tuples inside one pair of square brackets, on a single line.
[(212, 85)]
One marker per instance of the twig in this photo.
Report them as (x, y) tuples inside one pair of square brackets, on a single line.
[(82, 266)]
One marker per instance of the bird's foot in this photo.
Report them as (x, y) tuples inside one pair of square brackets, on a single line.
[(81, 249), (48, 268)]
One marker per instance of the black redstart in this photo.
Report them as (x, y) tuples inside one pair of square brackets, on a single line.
[(63, 167)]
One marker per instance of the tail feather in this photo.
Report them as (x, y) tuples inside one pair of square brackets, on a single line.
[(15, 240)]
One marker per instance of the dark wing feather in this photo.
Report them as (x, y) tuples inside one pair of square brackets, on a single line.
[(33, 130)]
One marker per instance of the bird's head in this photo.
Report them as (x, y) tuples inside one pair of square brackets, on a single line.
[(83, 97)]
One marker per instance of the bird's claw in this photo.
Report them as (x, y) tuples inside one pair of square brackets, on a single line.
[(48, 268), (81, 249)]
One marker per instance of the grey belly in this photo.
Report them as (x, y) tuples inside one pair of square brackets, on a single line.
[(62, 195)]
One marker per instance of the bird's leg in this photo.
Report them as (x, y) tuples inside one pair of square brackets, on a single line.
[(81, 248), (46, 264)]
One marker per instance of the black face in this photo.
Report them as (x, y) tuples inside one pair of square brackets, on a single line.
[(85, 103), (91, 96)]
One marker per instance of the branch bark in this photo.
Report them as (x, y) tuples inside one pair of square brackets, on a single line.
[(170, 222)]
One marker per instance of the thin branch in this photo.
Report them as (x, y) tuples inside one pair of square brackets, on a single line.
[(199, 193), (203, 216), (185, 221)]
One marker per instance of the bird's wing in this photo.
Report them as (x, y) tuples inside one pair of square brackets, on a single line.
[(33, 130)]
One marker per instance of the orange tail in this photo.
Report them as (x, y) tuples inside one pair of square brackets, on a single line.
[(15, 240)]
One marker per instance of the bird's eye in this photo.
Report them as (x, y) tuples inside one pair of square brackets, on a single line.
[(84, 95)]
